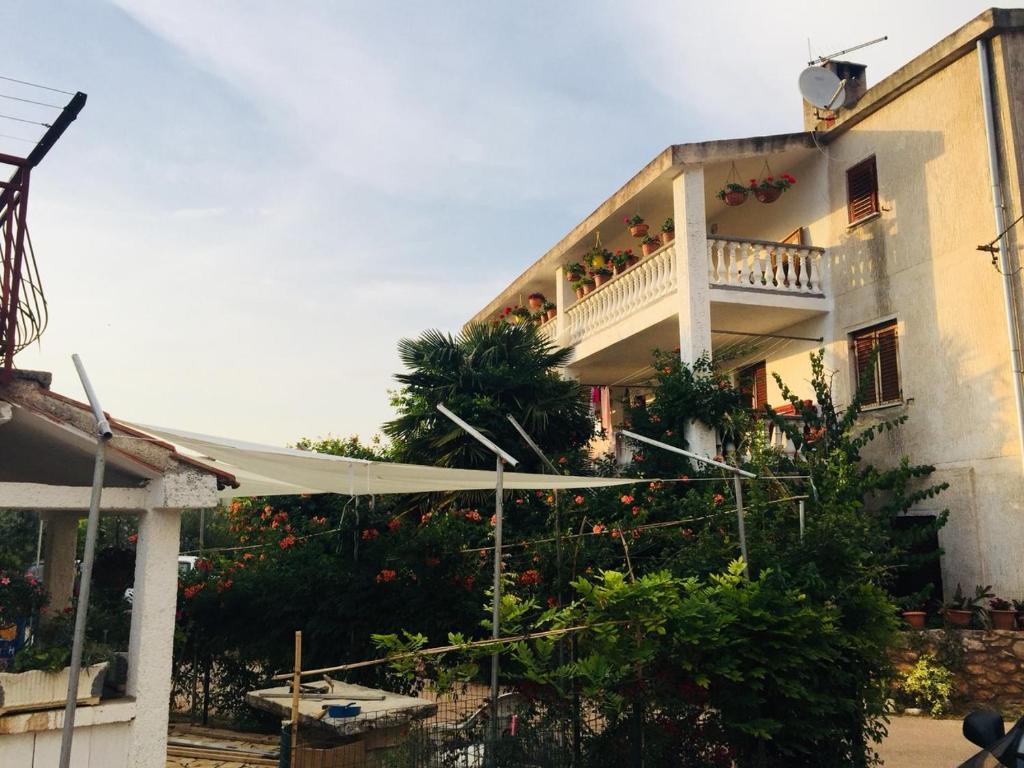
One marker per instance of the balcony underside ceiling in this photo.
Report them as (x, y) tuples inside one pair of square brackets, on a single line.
[(751, 332)]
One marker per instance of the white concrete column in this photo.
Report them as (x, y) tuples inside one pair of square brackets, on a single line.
[(692, 287), (59, 548), (151, 645), (560, 300)]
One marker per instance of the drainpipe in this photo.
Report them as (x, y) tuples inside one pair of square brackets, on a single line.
[(1009, 303)]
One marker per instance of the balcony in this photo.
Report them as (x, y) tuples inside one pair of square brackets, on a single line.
[(789, 280)]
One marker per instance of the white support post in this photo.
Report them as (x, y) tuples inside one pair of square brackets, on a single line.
[(560, 300), (693, 291), (151, 646), (60, 546)]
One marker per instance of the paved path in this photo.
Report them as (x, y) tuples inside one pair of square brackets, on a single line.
[(920, 742)]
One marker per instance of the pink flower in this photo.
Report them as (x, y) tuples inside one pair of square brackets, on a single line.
[(719, 498), (627, 499), (5, 581), (579, 499)]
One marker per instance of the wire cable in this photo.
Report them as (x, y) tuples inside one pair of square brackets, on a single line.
[(23, 120), (30, 101), (35, 85)]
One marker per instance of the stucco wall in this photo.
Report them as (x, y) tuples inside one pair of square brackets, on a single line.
[(917, 262)]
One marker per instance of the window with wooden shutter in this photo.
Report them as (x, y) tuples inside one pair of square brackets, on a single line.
[(862, 190), (753, 382), (877, 365)]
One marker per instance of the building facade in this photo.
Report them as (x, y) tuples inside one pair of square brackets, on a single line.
[(874, 248)]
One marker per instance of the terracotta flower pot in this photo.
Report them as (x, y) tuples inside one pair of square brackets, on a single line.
[(915, 618), (632, 260), (958, 618), (535, 304), (580, 293), (617, 269), (1003, 619), (735, 197), (649, 248), (588, 288), (668, 237), (572, 277), (769, 195), (639, 230), (600, 280), (552, 312)]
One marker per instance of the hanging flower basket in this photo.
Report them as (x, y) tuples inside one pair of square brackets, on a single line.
[(733, 194), (637, 228), (536, 301), (768, 195)]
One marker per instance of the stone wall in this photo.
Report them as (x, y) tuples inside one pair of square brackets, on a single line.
[(988, 664)]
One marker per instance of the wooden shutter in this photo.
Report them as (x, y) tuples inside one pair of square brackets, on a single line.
[(753, 381), (888, 364), (861, 190), (876, 355), (863, 347)]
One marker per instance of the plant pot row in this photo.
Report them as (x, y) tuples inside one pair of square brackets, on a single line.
[(955, 617)]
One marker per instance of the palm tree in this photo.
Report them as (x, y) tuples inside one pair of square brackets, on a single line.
[(484, 374)]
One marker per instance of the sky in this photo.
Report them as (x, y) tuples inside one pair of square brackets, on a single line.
[(261, 198)]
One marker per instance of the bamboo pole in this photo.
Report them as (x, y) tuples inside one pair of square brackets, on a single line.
[(296, 681), (445, 649)]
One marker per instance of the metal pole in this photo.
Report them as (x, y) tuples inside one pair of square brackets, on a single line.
[(688, 454), (496, 609), (39, 541), (801, 519), (104, 434), (296, 683), (739, 516)]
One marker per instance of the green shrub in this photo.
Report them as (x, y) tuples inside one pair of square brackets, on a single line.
[(927, 685)]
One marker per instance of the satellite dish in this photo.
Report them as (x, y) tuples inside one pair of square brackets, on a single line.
[(822, 88)]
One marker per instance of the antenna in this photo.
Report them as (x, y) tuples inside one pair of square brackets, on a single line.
[(822, 88), (822, 59)]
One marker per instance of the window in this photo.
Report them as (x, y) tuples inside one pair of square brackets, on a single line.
[(862, 190), (876, 357), (753, 382)]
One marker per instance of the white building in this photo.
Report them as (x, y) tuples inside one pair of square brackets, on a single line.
[(875, 245)]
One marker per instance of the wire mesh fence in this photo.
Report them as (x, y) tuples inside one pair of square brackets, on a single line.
[(464, 732)]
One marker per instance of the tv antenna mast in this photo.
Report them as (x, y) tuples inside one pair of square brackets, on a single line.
[(820, 86), (22, 303)]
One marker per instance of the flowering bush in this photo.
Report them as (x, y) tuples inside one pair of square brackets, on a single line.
[(21, 596)]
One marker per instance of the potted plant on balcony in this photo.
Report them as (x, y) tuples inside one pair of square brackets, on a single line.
[(535, 301), (668, 231), (733, 193), (601, 275), (518, 316), (636, 225), (574, 272), (550, 309), (650, 244), (1002, 613), (770, 188), (586, 285), (620, 261)]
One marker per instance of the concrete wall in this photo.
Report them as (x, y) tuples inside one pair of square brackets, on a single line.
[(102, 737)]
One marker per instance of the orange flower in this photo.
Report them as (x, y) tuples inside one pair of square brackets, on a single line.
[(248, 556), (616, 533), (286, 542), (530, 577), (627, 499), (598, 528), (385, 576), (579, 499), (473, 516), (719, 498), (394, 523)]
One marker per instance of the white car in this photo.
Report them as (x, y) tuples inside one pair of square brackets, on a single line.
[(186, 563)]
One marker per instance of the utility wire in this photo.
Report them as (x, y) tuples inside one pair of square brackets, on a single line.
[(17, 138), (30, 101), (35, 85), (23, 120)]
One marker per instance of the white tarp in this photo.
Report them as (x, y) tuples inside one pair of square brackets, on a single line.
[(265, 470)]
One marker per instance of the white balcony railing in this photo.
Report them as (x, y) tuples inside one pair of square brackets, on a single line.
[(640, 285), (763, 265)]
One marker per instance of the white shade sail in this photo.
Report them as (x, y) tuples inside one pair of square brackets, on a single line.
[(265, 470)]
